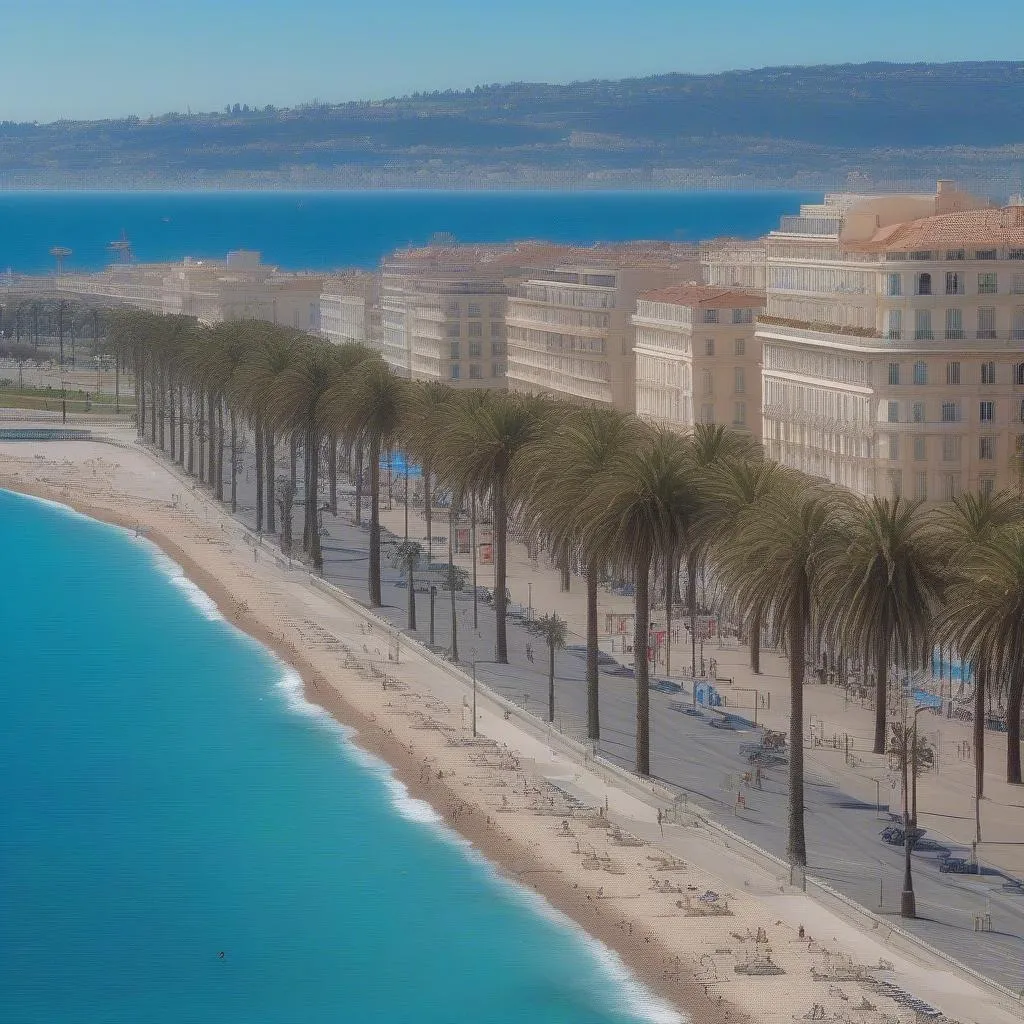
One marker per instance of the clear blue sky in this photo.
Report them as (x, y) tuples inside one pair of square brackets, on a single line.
[(103, 58)]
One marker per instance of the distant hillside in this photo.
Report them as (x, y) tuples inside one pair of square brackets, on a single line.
[(799, 126)]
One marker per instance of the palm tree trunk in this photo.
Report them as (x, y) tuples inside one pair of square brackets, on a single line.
[(163, 406), (181, 424), (755, 640), (211, 459), (260, 469), (500, 555), (359, 482), (881, 690), (641, 625), (411, 621), (191, 433), (140, 396), (332, 468), (220, 450), (796, 846), (593, 705), (669, 588), (152, 401), (427, 498), (1013, 705), (172, 408), (312, 459), (293, 455), (563, 570), (551, 682), (454, 652), (270, 481), (234, 461), (375, 595), (691, 597)]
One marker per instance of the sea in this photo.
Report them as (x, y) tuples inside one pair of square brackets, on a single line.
[(331, 230), (185, 840)]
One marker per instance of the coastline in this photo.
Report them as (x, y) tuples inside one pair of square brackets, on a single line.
[(645, 955)]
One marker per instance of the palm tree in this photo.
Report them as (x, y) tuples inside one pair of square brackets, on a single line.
[(733, 489), (773, 566), (368, 405), (632, 515), (883, 583), (554, 632), (984, 620), (454, 581), (565, 465), (407, 558), (481, 450), (964, 523)]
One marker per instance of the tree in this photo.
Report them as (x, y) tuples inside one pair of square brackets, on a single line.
[(911, 754), (983, 619), (554, 632), (634, 513), (481, 449), (561, 469), (407, 558), (774, 566), (883, 582), (368, 405), (454, 581)]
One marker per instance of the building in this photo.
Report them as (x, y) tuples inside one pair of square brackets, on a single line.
[(570, 332), (348, 308), (735, 263), (697, 357), (893, 343)]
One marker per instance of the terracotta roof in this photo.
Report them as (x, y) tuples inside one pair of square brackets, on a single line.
[(711, 295), (990, 228)]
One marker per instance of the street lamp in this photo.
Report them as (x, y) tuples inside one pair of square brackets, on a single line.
[(529, 613), (433, 595), (473, 652), (908, 904)]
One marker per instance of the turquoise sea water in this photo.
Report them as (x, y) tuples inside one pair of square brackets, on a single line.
[(167, 795), (322, 230)]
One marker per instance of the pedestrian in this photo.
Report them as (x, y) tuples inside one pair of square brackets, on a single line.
[(661, 819)]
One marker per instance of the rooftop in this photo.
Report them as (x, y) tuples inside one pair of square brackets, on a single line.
[(692, 294), (990, 228)]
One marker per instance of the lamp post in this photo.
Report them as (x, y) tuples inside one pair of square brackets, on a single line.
[(433, 595), (529, 613), (908, 904), (473, 652)]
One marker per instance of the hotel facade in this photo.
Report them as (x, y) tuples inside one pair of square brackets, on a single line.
[(893, 344)]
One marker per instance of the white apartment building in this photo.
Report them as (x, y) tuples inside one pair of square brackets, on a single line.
[(697, 357), (893, 343), (735, 263), (348, 309), (569, 325)]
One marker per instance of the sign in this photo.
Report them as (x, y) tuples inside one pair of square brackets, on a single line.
[(707, 627), (486, 554), (618, 622)]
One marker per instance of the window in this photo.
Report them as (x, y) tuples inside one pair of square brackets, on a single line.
[(709, 346), (988, 372), (739, 418), (495, 309), (917, 412), (894, 373), (1020, 411), (894, 447), (985, 254), (498, 370), (707, 382), (1018, 374), (950, 412), (987, 284), (924, 284), (455, 371), (495, 329), (742, 316), (739, 383), (922, 324), (986, 322), (986, 411), (895, 284), (707, 414), (896, 324), (986, 448), (921, 485), (1015, 254), (920, 373), (473, 309), (474, 349), (893, 412), (954, 324), (741, 347), (454, 354), (453, 330), (952, 373), (476, 330), (987, 485), (453, 307), (474, 372), (295, 318), (920, 449), (711, 316), (1017, 324), (954, 282), (950, 449), (1018, 284), (950, 485), (895, 483), (955, 254), (497, 348)]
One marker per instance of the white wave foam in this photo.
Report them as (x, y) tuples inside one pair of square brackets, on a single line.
[(197, 597)]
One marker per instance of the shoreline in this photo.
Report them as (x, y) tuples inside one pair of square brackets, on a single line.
[(511, 859)]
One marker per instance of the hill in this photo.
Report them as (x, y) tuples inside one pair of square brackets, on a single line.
[(798, 126)]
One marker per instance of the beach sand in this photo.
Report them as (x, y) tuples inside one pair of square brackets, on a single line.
[(622, 878)]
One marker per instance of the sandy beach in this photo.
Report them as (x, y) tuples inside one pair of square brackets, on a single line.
[(756, 950)]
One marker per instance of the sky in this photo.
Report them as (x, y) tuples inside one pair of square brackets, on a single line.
[(110, 58)]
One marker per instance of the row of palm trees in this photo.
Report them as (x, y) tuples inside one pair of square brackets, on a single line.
[(820, 569)]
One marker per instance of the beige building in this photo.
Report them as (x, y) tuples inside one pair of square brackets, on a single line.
[(893, 343), (570, 332), (735, 263), (697, 357), (348, 308)]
